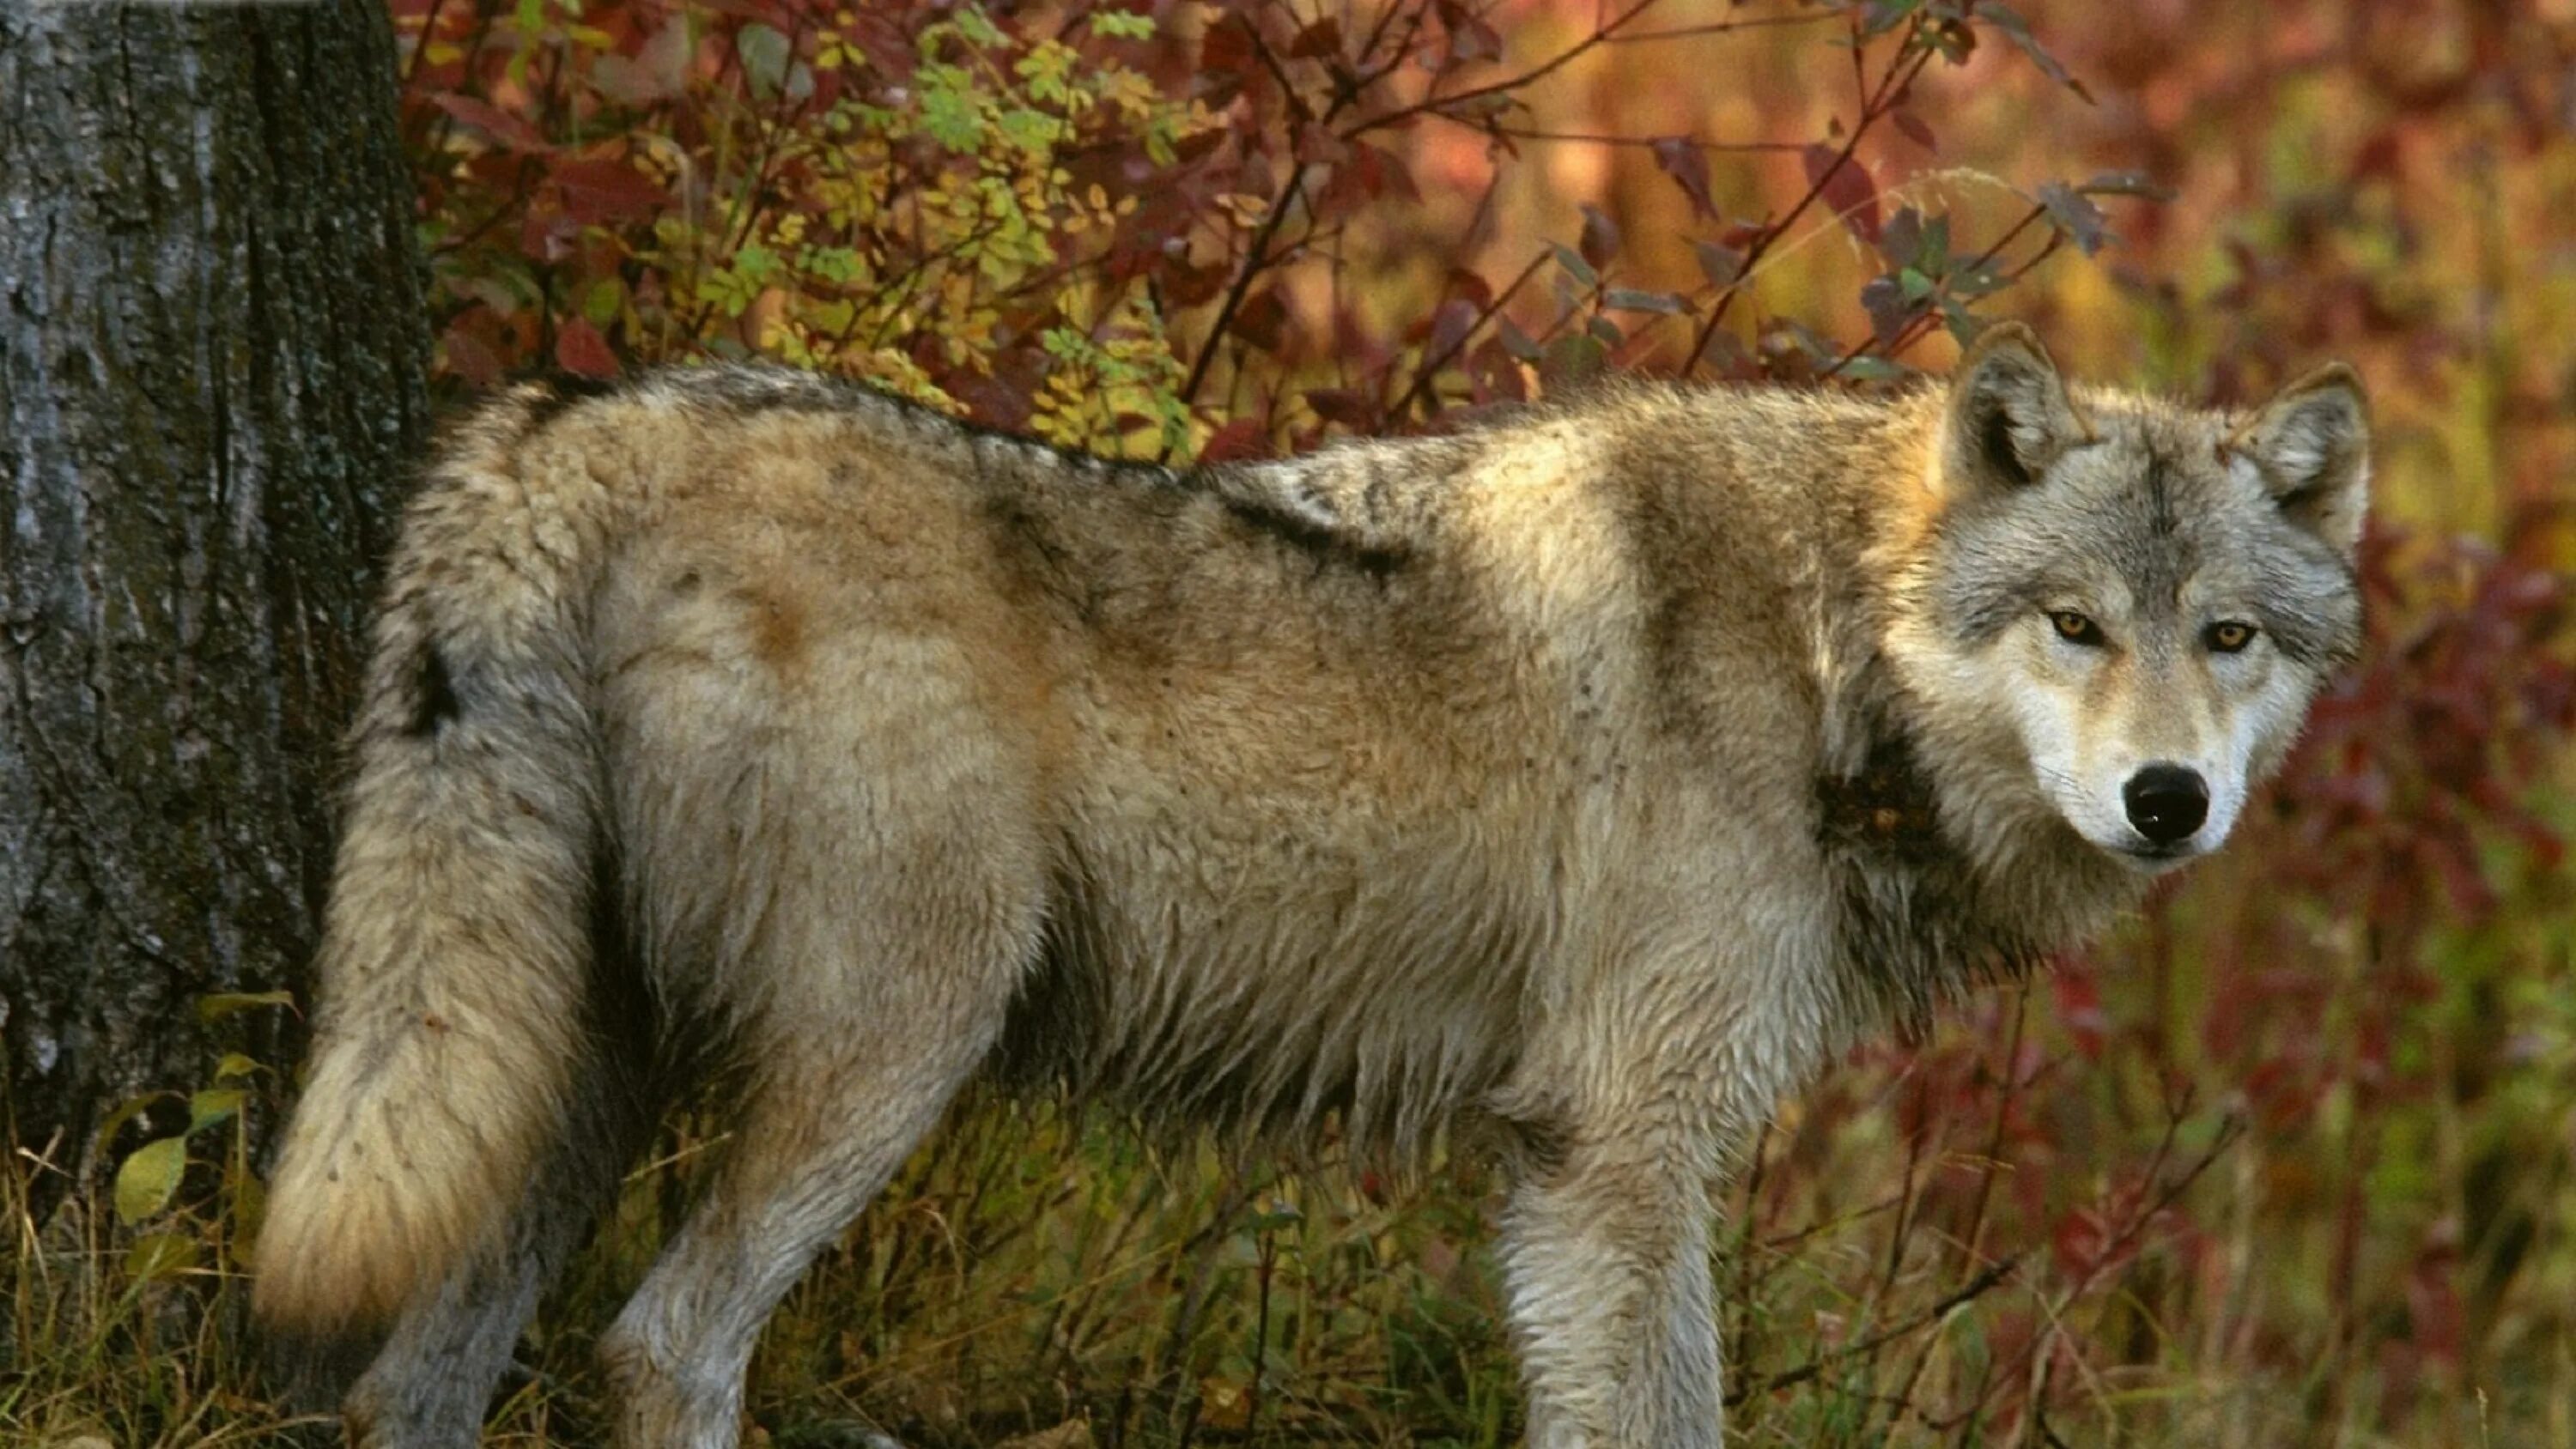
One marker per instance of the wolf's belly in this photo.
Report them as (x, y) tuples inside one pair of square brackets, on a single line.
[(1265, 980)]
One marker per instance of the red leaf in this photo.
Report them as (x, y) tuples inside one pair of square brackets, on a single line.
[(512, 133), (1449, 327), (1259, 319), (2074, 214), (1680, 159), (467, 355), (1845, 187), (1470, 38), (1348, 406), (604, 191), (657, 72), (1496, 373), (579, 348), (1720, 264), (1228, 57), (2017, 30), (1242, 438), (1600, 237), (890, 48), (548, 235), (1916, 130), (1322, 38)]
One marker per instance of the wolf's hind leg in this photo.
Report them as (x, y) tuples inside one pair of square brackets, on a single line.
[(854, 1038), (1605, 1257), (431, 1383)]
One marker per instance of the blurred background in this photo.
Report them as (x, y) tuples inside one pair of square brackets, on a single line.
[(2285, 1162)]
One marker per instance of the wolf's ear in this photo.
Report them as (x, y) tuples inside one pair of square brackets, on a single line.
[(2009, 415), (2311, 446)]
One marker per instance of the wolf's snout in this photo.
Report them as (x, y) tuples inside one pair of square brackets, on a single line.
[(2166, 802)]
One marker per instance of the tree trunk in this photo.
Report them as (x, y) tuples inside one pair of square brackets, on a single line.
[(212, 359)]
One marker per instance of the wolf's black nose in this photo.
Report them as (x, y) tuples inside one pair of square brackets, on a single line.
[(2166, 802)]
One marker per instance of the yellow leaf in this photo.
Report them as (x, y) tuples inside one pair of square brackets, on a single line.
[(213, 1105), (221, 1004), (146, 1181), (156, 1256)]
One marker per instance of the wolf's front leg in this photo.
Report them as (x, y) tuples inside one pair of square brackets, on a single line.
[(1605, 1260)]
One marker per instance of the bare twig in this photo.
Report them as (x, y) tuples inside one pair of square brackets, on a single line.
[(1965, 1293)]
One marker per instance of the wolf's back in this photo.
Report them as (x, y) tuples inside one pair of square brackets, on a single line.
[(456, 950)]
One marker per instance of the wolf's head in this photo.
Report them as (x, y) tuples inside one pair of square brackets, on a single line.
[(2142, 598)]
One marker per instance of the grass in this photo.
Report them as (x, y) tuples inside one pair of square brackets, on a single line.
[(1049, 1280)]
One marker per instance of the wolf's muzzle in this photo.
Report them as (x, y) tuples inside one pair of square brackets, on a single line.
[(2167, 802)]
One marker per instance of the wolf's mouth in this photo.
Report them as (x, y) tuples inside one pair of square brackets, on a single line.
[(2157, 857)]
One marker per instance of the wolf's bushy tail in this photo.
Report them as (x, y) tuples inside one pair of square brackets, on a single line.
[(456, 953)]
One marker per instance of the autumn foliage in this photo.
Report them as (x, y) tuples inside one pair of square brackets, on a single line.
[(2284, 1154), (2286, 1162)]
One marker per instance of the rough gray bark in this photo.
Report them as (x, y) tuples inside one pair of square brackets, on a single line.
[(212, 357)]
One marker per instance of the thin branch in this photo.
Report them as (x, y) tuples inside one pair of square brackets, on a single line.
[(1431, 367), (420, 48), (1889, 85), (1258, 260), (1967, 1292), (1601, 35), (1589, 138), (1717, 27)]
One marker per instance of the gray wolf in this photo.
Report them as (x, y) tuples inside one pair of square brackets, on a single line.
[(1587, 779)]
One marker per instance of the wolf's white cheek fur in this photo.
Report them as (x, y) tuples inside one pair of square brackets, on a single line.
[(2049, 715), (2260, 726)]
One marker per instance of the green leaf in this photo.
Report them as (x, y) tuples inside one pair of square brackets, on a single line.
[(1629, 299), (1575, 266), (2003, 17), (1865, 368), (1122, 25), (156, 1256), (951, 116), (1032, 131), (226, 1003), (213, 1105), (765, 53), (126, 1111), (979, 29), (234, 1064), (2126, 183), (2074, 214), (1278, 1215), (1572, 358), (146, 1181)]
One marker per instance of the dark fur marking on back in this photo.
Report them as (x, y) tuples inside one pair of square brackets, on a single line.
[(766, 389), (434, 700), (1313, 539)]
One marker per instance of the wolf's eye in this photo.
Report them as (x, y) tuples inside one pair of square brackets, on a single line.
[(2075, 628), (2227, 636)]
